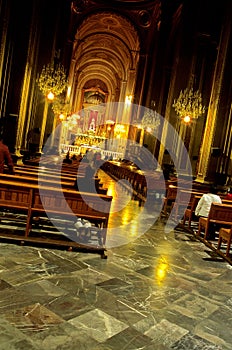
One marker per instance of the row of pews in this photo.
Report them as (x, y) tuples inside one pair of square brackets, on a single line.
[(179, 202), (220, 219), (41, 205), (179, 199)]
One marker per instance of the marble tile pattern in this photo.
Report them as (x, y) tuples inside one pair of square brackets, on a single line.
[(158, 292)]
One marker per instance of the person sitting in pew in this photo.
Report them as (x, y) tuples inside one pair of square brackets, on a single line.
[(5, 158), (87, 182), (67, 159), (204, 204), (229, 194)]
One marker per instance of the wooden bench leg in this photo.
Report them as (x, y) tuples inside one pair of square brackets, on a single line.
[(225, 235), (228, 247), (198, 233), (219, 242), (103, 255)]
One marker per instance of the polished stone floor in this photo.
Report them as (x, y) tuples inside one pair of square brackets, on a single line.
[(155, 291)]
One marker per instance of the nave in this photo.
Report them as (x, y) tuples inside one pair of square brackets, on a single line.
[(158, 290)]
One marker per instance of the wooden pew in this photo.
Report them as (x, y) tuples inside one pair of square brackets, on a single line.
[(67, 181), (35, 201), (43, 172), (225, 236), (190, 212), (170, 200), (51, 165), (146, 184), (184, 203), (152, 187), (33, 179), (220, 214), (54, 170)]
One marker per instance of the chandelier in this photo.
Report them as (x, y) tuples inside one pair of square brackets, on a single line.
[(150, 120), (189, 104), (61, 107), (52, 79)]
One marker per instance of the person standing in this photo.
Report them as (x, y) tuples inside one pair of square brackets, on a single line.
[(5, 158)]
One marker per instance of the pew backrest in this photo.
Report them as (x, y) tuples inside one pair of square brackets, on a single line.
[(220, 213), (44, 200)]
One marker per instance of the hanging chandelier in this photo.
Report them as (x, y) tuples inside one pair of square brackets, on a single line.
[(189, 104), (150, 120), (52, 79), (61, 107)]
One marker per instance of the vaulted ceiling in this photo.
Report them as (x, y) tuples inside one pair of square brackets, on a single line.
[(106, 50)]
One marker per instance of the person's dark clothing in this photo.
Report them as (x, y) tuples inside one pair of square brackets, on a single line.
[(5, 158)]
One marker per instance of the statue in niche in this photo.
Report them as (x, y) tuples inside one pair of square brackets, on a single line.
[(92, 125)]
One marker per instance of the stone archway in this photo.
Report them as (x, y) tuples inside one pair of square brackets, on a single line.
[(105, 50)]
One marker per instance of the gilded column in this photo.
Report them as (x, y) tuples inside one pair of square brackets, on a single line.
[(27, 89), (209, 132), (120, 107), (43, 126)]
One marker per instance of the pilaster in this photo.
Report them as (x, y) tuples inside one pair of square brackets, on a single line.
[(205, 160)]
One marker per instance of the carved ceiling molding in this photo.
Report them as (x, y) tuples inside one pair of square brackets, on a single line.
[(107, 45), (143, 12), (95, 85)]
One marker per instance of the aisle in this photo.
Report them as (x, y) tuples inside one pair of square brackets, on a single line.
[(127, 220)]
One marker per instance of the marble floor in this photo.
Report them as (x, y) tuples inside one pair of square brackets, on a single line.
[(157, 290)]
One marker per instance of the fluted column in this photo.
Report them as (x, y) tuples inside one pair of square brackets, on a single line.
[(211, 121), (43, 126), (121, 99), (28, 89)]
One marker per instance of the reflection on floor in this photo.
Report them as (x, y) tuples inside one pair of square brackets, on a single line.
[(156, 291)]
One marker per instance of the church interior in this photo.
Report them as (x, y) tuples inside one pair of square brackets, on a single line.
[(127, 70), (117, 114)]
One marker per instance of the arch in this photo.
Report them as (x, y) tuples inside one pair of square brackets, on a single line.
[(106, 47)]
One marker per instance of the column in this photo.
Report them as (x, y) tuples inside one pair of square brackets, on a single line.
[(43, 126), (209, 132)]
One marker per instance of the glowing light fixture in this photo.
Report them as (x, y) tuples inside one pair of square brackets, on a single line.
[(50, 96), (128, 99), (189, 105), (187, 119), (61, 107), (52, 82), (150, 120), (52, 79), (68, 92)]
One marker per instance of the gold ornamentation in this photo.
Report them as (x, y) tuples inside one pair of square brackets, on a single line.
[(189, 103), (151, 120), (59, 106), (52, 79)]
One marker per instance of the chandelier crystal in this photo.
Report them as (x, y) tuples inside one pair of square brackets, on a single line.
[(60, 106), (189, 103), (52, 79), (150, 120)]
